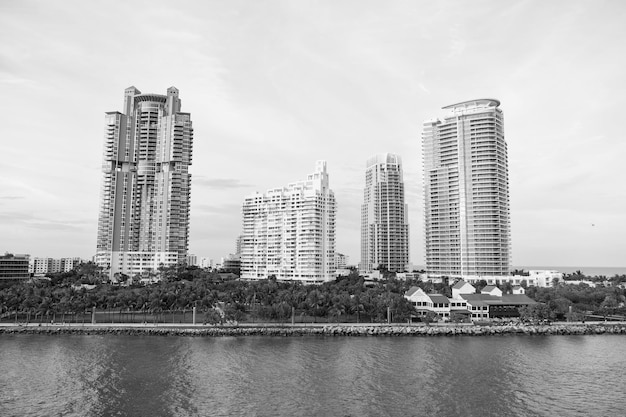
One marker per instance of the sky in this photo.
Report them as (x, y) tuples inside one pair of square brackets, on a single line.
[(273, 86)]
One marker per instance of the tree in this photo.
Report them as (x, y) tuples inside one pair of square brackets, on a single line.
[(608, 306), (535, 313), (459, 318), (430, 317)]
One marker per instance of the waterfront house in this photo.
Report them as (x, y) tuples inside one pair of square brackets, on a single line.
[(462, 287), (491, 306), (492, 290), (477, 306)]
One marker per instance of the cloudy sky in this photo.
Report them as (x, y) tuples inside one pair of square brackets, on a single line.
[(273, 86)]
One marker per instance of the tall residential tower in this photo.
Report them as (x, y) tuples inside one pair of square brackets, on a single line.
[(144, 203), (384, 225), (466, 190), (289, 232)]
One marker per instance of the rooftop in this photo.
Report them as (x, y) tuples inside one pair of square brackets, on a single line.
[(482, 102)]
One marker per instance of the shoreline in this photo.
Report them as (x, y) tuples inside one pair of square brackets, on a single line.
[(312, 329)]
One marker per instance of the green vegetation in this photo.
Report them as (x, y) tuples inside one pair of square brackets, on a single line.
[(582, 299), (72, 296), (180, 289)]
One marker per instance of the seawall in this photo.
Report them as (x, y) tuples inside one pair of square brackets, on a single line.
[(322, 330)]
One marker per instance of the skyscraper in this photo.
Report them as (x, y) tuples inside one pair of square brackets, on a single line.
[(466, 188), (289, 232), (144, 203), (384, 225)]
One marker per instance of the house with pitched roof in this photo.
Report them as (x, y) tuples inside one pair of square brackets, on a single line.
[(483, 306), (424, 303), (477, 306), (492, 290), (462, 287)]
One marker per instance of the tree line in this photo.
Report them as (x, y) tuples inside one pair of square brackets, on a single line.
[(181, 289)]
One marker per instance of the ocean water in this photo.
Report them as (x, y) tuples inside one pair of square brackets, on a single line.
[(590, 271), (510, 375)]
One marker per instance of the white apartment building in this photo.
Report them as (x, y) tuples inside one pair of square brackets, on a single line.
[(384, 224), (341, 260), (466, 189), (144, 204), (205, 262), (535, 278), (289, 232), (42, 266), (192, 260)]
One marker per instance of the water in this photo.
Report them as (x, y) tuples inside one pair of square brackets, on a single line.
[(312, 376), (590, 271)]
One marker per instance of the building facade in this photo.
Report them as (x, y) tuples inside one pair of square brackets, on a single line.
[(289, 232), (384, 224), (14, 266), (145, 195), (466, 190), (42, 266)]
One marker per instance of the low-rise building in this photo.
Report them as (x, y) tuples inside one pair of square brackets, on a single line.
[(14, 266), (477, 306), (491, 290), (408, 275), (518, 290), (492, 306), (462, 287), (544, 278)]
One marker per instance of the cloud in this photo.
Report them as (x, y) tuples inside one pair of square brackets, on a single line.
[(54, 225), (11, 197), (33, 222), (219, 209), (219, 183)]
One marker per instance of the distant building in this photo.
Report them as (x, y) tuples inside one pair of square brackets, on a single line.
[(238, 243), (341, 261), (205, 262), (384, 216), (289, 232), (408, 275), (146, 185), (192, 260), (466, 192), (544, 278), (42, 266), (232, 264), (14, 266)]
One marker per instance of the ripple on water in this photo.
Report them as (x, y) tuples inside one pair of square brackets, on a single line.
[(302, 376)]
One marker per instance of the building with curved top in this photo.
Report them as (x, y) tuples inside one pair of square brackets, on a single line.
[(145, 195), (384, 224), (466, 191)]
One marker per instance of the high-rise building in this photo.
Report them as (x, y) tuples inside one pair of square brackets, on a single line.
[(289, 232), (144, 205), (384, 224), (238, 243), (466, 190)]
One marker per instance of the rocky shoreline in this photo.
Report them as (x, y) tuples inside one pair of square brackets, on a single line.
[(322, 330)]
